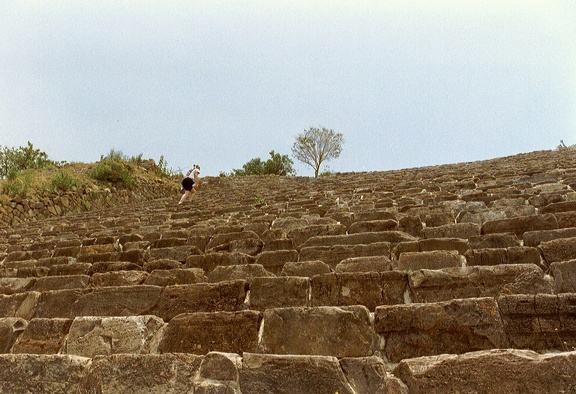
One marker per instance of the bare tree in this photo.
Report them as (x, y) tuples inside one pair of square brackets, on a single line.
[(317, 145)]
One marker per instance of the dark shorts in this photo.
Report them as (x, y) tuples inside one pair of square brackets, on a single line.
[(187, 184)]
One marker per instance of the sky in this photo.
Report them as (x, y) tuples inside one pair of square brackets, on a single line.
[(218, 83)]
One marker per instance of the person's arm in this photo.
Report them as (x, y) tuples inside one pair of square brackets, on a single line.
[(196, 179)]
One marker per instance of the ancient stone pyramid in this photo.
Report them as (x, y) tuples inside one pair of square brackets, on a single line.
[(447, 279)]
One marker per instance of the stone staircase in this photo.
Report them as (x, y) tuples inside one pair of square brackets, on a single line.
[(447, 279)]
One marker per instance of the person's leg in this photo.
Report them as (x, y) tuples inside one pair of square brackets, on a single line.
[(184, 196)]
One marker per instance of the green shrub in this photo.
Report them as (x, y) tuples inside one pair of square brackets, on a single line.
[(63, 181), (17, 183), (162, 169), (117, 172), (23, 158)]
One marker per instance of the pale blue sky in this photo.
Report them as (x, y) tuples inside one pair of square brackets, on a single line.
[(408, 83)]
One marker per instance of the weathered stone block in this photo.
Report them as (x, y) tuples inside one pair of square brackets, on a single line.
[(490, 371), (202, 332), (118, 278), (535, 238), (512, 255), (332, 255), (245, 272), (92, 335), (43, 336), (267, 373), (519, 225), (479, 281), (144, 373), (305, 268), (274, 261), (453, 230), (35, 373), (178, 276), (328, 331), (434, 259), (10, 329), (113, 301), (564, 273), (61, 282), (457, 326), (359, 288), (201, 297), (365, 264), (278, 292), (562, 249)]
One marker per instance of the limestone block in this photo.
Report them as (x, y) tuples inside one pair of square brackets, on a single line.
[(373, 226), (365, 264), (34, 373), (70, 269), (177, 276), (360, 238), (370, 375), (563, 206), (267, 373), (113, 266), (305, 268), (221, 242), (359, 288), (328, 331), (512, 255), (566, 219), (494, 241), (434, 259), (332, 255), (247, 246), (302, 234), (274, 261), (16, 285), (277, 292), (204, 332), (480, 217), (562, 249), (43, 336), (454, 230), (23, 305), (10, 329), (535, 238), (116, 301), (490, 371), (278, 244), (200, 297), (564, 273), (245, 272), (162, 264), (478, 281), (457, 326), (209, 261), (142, 374), (458, 244), (90, 336), (61, 282), (168, 243), (118, 278), (540, 322), (178, 253), (519, 225)]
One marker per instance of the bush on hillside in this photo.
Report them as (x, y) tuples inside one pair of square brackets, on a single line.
[(63, 181), (18, 183), (115, 168), (23, 158), (277, 165)]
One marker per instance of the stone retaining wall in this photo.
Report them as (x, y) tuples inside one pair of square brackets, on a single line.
[(47, 205)]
